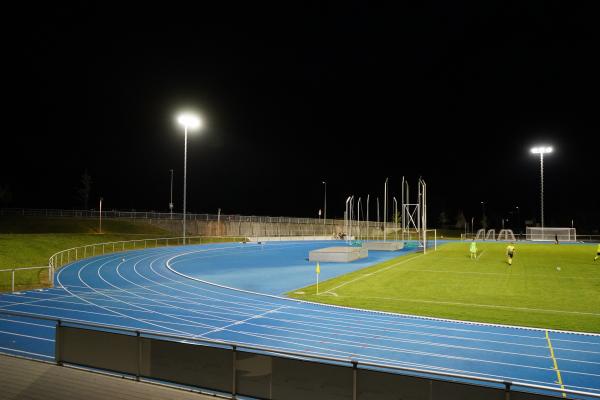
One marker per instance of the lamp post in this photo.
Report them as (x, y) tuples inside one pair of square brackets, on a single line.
[(171, 202), (100, 228), (325, 205), (189, 121), (541, 150), (483, 221)]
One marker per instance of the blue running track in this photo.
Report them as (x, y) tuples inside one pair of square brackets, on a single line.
[(190, 291)]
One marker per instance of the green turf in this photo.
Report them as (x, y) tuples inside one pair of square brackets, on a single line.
[(18, 224), (30, 241), (548, 286)]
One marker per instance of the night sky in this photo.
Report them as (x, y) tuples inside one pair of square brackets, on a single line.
[(296, 93)]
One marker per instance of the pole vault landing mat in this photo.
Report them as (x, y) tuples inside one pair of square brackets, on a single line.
[(338, 254)]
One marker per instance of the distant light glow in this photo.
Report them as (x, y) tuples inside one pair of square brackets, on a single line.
[(542, 150), (189, 120)]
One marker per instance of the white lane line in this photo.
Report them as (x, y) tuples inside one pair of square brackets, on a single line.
[(26, 323), (10, 352), (27, 336), (244, 321), (112, 311)]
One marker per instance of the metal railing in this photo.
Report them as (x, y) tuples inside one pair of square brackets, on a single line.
[(92, 345), (18, 270), (64, 257), (46, 212)]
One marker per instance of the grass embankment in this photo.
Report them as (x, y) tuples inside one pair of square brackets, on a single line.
[(548, 286), (30, 241)]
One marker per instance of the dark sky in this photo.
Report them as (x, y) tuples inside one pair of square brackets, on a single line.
[(296, 93)]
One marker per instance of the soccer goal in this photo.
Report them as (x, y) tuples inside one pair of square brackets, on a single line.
[(562, 234), (506, 234), (491, 234), (480, 235)]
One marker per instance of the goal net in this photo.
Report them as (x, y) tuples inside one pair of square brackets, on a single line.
[(480, 235), (562, 234), (506, 234)]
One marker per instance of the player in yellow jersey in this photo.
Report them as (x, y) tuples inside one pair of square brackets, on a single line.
[(597, 252), (473, 250), (510, 252)]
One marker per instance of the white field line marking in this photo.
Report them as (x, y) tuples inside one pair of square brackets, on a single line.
[(26, 323), (105, 308), (477, 305), (379, 315), (151, 311), (373, 273), (343, 331), (25, 352), (27, 336), (244, 321), (301, 342), (328, 340)]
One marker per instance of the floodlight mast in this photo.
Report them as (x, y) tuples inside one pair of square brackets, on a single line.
[(189, 121), (541, 150)]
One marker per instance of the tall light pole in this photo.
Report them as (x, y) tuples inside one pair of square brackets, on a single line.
[(171, 202), (385, 209), (100, 229), (189, 121), (483, 214), (541, 150), (325, 205)]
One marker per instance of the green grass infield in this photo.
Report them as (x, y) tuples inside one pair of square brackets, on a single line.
[(548, 286)]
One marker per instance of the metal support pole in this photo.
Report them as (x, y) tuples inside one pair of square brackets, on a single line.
[(13, 280), (234, 367), (354, 380), (184, 180), (139, 358), (58, 344), (542, 188)]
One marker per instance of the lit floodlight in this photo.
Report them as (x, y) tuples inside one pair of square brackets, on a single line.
[(190, 121), (542, 150)]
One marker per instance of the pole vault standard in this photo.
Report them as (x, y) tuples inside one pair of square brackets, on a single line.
[(414, 215)]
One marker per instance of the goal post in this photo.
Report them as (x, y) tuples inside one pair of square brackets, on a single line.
[(551, 234)]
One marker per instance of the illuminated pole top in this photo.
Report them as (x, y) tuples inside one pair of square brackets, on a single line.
[(189, 121), (542, 150)]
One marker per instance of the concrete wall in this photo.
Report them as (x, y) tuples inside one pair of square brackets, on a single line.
[(253, 229)]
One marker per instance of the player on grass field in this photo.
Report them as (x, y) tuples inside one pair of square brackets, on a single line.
[(510, 252), (597, 252), (473, 249)]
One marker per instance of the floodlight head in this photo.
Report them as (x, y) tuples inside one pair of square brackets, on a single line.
[(190, 121), (542, 150)]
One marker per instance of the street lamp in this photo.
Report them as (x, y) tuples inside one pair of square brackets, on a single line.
[(100, 228), (325, 208), (541, 150), (171, 202), (189, 121), (483, 214)]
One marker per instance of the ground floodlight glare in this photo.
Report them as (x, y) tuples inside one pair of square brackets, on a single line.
[(189, 120)]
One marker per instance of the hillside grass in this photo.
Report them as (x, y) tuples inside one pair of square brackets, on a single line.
[(548, 286), (31, 241)]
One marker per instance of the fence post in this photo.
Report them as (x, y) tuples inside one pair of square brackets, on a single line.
[(13, 280), (139, 360), (354, 380), (75, 253), (507, 390), (58, 344), (233, 385)]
